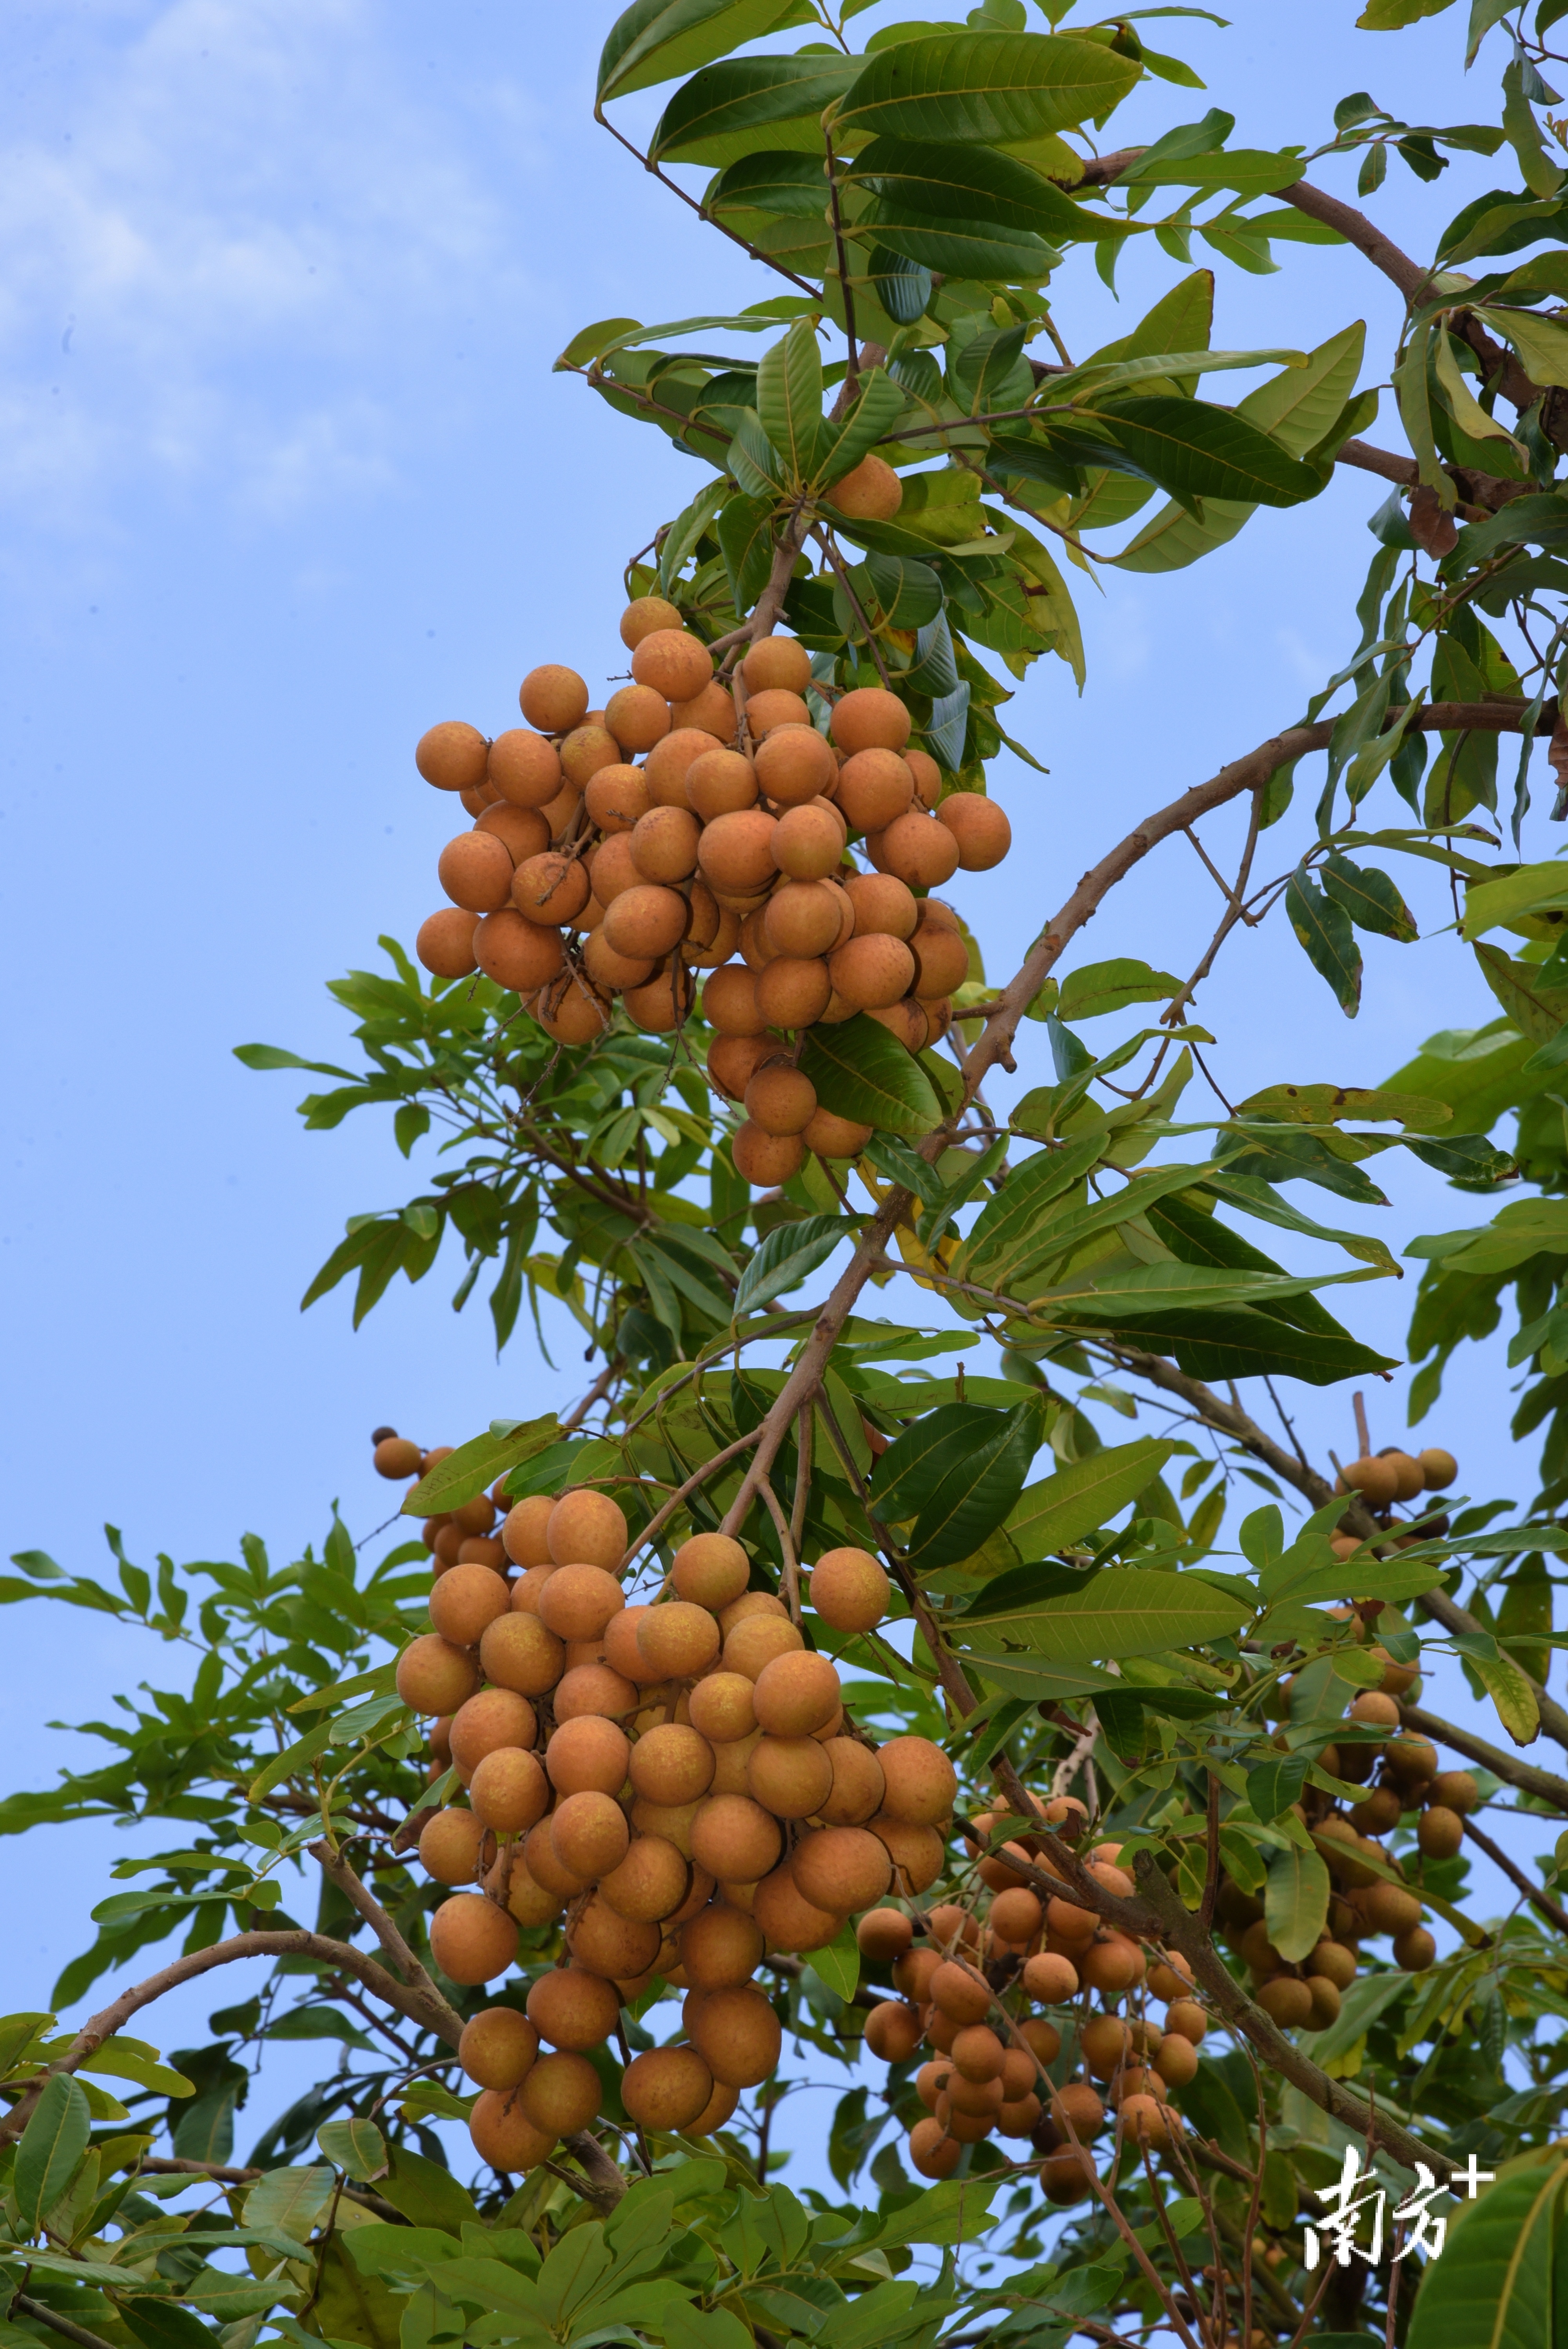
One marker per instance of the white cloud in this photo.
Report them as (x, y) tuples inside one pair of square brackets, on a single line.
[(246, 225)]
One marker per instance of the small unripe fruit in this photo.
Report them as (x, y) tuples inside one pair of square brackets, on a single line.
[(452, 1847), (850, 1590), (471, 1940)]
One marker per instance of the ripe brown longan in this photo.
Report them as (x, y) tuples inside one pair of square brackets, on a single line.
[(665, 844), (667, 2089), (776, 664), (524, 769), (586, 1528), (870, 718), (487, 1722), (570, 1010), (979, 826), (577, 1602), (549, 889), (650, 1882), (922, 1783), (720, 783), (498, 2048), (1438, 1469), (395, 1458), (919, 849), (795, 764), (452, 755), (678, 1639), (672, 1764), (941, 961), (842, 1868), (502, 2134), (560, 2092), (522, 954), (645, 921), (589, 1754), (793, 990), (616, 797), (735, 1839), (710, 1570), (807, 844), (722, 1707), (875, 787), (435, 1677), (893, 2031), (522, 1530), (572, 2009), (797, 1693), (872, 972), (848, 1589), (802, 919), (589, 1834), (587, 749), (471, 1940), (674, 663), (737, 2033), (663, 1003), (642, 616), (553, 698), (780, 1098), (444, 943), (752, 1640), (604, 1942), (869, 491), (831, 1137), (476, 872), (729, 1002), (735, 851), (789, 1776), (452, 1847), (508, 1791), (1376, 1481), (720, 1946), (774, 707), (854, 1799)]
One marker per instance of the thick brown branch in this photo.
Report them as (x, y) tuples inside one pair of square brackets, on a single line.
[(437, 2018), (1528, 1776), (331, 1863), (605, 2184), (1487, 491), (1517, 1877)]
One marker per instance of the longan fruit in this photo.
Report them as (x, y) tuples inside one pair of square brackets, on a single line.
[(842, 1868), (712, 711), (737, 2033), (502, 2134), (906, 1020), (720, 783), (848, 1589), (802, 919), (883, 905), (1371, 1706), (788, 1920), (872, 972), (750, 1603), (1050, 1978), (1286, 2001), (472, 1940), (875, 787), (1415, 1950), (776, 664), (612, 971), (611, 869), (604, 1942), (623, 1651), (919, 849), (1438, 1469), (795, 763), (672, 1764), (678, 1639), (589, 1834), (1017, 1915), (675, 663), (893, 2031), (476, 872), (646, 921), (592, 1692), (831, 1137), (884, 1935), (485, 1722), (796, 1693), (668, 2088), (671, 1822), (395, 1458), (982, 831), (573, 2008), (643, 615), (589, 1754), (650, 1884), (808, 844), (1376, 1481), (735, 1839), (766, 1160), (779, 1098), (579, 1600), (452, 1847), (854, 1799), (922, 1783), (722, 1708), (665, 844), (729, 1002), (508, 1791), (522, 954), (793, 990), (869, 491), (553, 698), (561, 2094), (931, 2152), (549, 889), (757, 949), (477, 1515), (1410, 1759), (498, 2048), (1456, 1790), (927, 777), (710, 1570), (870, 718), (1325, 2006), (1409, 1477), (662, 1003), (444, 943), (540, 1859), (435, 1677), (636, 717), (452, 755), (941, 962), (773, 707), (720, 1948), (616, 797), (753, 1640), (735, 851), (789, 1776)]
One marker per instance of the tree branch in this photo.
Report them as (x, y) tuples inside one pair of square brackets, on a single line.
[(333, 1864), (1526, 1775), (58, 2324), (1516, 1876), (605, 2184)]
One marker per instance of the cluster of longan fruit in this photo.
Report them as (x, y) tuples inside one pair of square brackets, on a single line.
[(587, 877), (967, 1987), (1390, 1477), (675, 1780)]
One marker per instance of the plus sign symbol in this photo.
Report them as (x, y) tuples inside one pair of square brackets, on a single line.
[(1471, 2178)]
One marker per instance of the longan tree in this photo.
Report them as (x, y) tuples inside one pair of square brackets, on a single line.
[(793, 1710)]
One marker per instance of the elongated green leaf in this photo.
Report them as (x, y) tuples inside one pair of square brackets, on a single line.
[(1128, 1611), (1097, 987), (790, 184), (787, 1256), (1061, 1510), (970, 183), (957, 247), (1331, 1104), (910, 1470), (653, 40), (711, 118), (1538, 1011), (1325, 932), (978, 1486), (159, 2324), (839, 1964), (1196, 450), (473, 1466), (1512, 1694), (1296, 1904), (52, 2148), (879, 404), (1534, 888), (1370, 897), (997, 87), (1015, 1212), (744, 531), (1494, 2286), (790, 399), (358, 2146), (297, 1757), (861, 1072), (290, 2201), (1164, 1288), (1057, 1236), (1022, 1674)]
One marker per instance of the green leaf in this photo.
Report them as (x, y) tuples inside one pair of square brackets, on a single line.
[(1296, 1904), (710, 119), (926, 183), (427, 2195), (956, 2211), (291, 2201), (790, 399), (1538, 1011), (1196, 450), (1494, 2286), (476, 1465), (1274, 1786), (861, 1072), (996, 87), (1512, 1694), (745, 531), (787, 1256), (52, 2148), (1126, 1611), (1324, 929), (1097, 988), (357, 2146), (1010, 1219), (1059, 1512), (978, 1484), (1532, 889), (653, 40), (839, 1965), (160, 2324), (1370, 897), (880, 403), (910, 1471), (268, 1056)]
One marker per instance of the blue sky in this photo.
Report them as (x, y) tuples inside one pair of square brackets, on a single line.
[(287, 477)]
